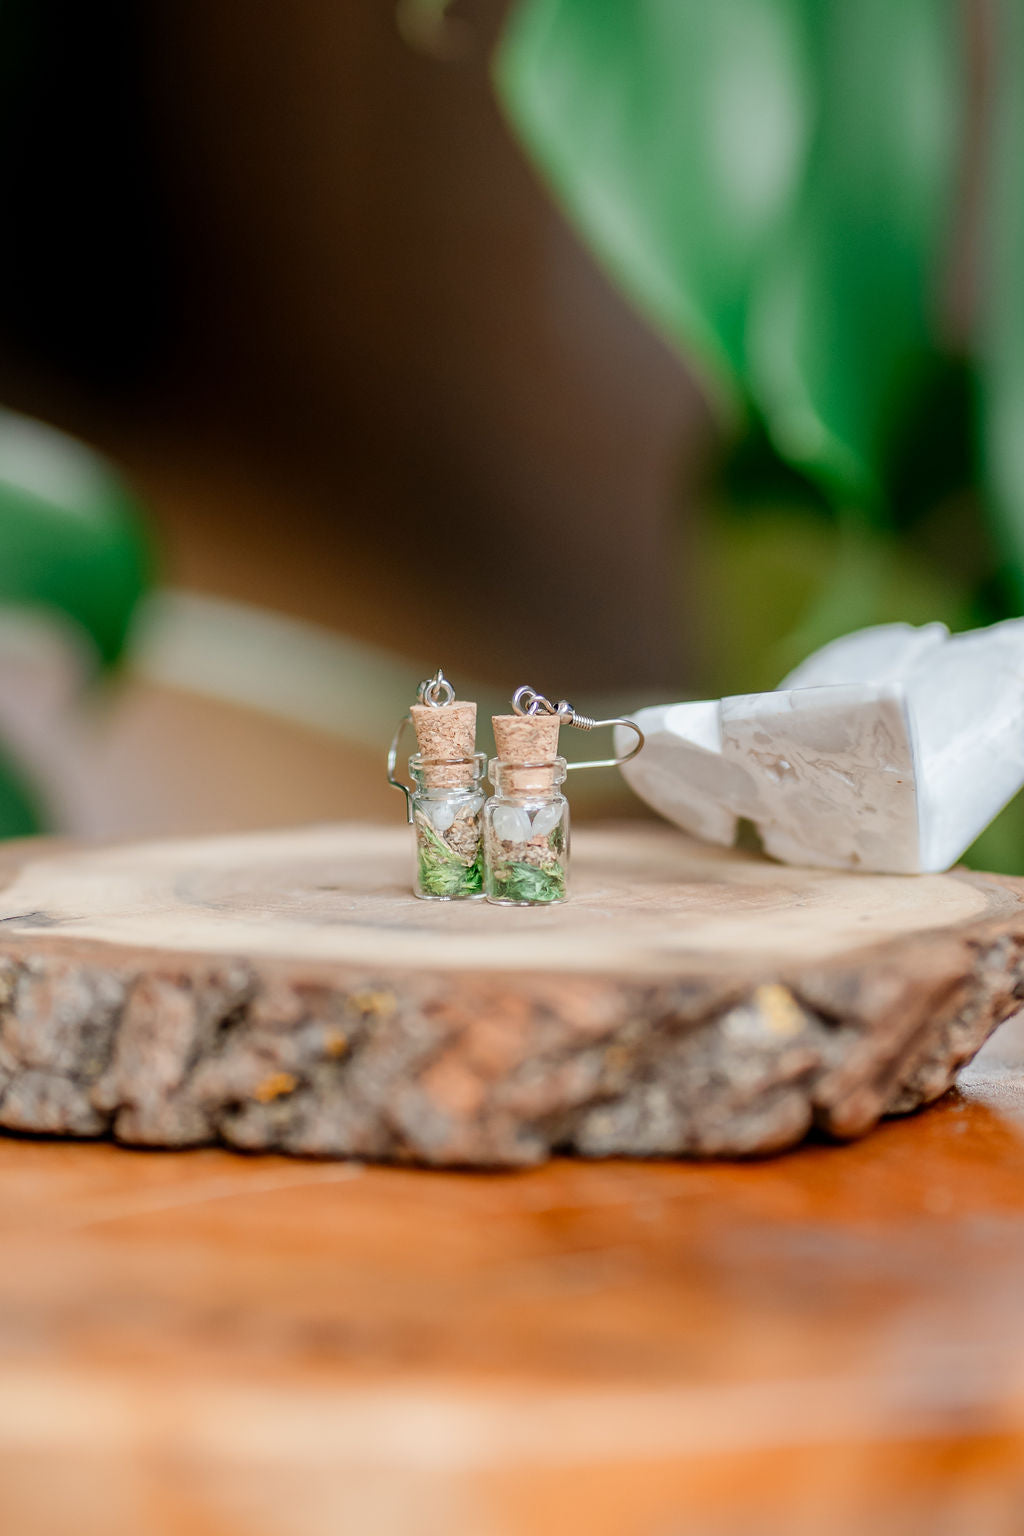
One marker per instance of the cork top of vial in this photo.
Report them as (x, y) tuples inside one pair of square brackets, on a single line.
[(526, 739), (445, 732)]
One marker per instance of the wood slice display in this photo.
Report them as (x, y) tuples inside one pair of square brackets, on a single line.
[(286, 991)]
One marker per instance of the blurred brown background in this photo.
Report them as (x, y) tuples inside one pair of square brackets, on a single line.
[(292, 271)]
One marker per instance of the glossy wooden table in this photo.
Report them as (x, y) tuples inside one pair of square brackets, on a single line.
[(208, 1344)]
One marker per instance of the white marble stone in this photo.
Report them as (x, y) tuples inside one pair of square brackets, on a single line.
[(889, 750), (883, 654)]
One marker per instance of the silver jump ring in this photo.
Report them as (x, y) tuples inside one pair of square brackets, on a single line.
[(527, 701), (436, 691)]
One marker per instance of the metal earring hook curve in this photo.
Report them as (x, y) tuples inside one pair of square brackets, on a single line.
[(395, 782)]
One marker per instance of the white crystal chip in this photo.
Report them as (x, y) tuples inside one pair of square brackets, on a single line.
[(889, 750), (440, 812), (511, 824), (544, 821)]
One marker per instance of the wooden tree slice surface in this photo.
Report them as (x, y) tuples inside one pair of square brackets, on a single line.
[(286, 991)]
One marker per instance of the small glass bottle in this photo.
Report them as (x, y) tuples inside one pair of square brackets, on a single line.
[(449, 833), (526, 834)]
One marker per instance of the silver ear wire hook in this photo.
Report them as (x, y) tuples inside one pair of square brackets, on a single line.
[(527, 701), (437, 692)]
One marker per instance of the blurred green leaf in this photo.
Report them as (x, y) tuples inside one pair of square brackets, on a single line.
[(771, 181), (674, 134), (71, 543), (844, 328), (751, 474), (875, 578), (71, 539), (21, 814), (935, 453), (759, 573), (790, 582), (1000, 848), (1001, 342)]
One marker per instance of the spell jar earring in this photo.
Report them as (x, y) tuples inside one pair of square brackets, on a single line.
[(526, 820), (445, 801)]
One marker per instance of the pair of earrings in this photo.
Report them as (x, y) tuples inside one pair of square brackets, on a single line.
[(512, 847)]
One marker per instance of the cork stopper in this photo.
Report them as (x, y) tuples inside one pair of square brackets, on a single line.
[(526, 739), (446, 731)]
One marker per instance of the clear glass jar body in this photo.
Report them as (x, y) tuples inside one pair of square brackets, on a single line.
[(526, 835), (448, 822)]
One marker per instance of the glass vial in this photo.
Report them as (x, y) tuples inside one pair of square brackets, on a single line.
[(448, 822), (526, 835)]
